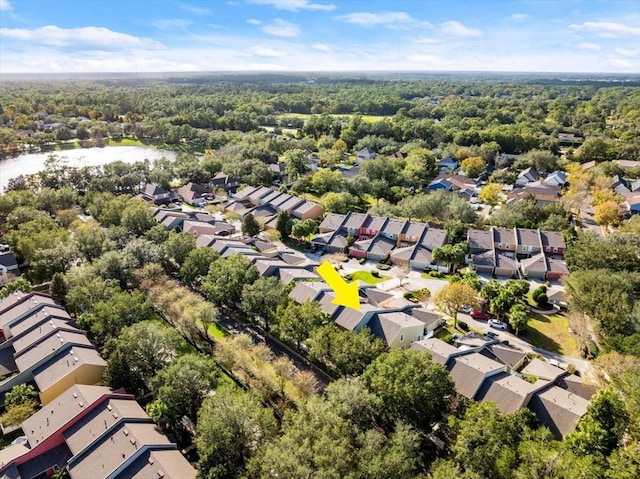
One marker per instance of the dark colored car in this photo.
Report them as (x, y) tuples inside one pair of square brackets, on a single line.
[(477, 314)]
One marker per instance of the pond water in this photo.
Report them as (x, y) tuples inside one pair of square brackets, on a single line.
[(33, 163)]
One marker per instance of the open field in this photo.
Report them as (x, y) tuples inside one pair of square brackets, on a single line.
[(367, 277), (306, 116), (551, 332)]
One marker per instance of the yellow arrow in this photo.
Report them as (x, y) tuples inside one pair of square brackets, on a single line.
[(346, 293)]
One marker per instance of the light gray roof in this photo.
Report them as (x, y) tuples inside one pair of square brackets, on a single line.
[(528, 237), (332, 221), (558, 409), (287, 275), (165, 464), (542, 370), (434, 238), (381, 245), (427, 317), (439, 350), (508, 392), (62, 365), (537, 262), (394, 227), (374, 222), (505, 236), (354, 221), (307, 291), (469, 372), (553, 239), (480, 239), (350, 319)]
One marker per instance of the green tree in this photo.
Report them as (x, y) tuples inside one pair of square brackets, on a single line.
[(296, 161), (227, 277), (250, 226), (452, 255), (19, 394), (232, 426), (139, 352), (297, 321), (518, 316), (137, 219), (411, 387), (261, 298), (197, 264), (284, 225), (108, 318), (453, 297), (179, 245), (473, 166), (184, 384)]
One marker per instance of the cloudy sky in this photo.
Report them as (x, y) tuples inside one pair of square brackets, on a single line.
[(319, 35)]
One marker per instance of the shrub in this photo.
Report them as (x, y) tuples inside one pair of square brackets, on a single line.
[(542, 300), (537, 292), (383, 266), (375, 274), (362, 260), (436, 274), (462, 325), (348, 277)]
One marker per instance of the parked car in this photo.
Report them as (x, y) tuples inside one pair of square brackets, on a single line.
[(491, 334), (477, 314), (466, 309), (494, 323)]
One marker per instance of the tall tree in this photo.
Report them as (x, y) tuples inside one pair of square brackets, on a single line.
[(227, 277), (453, 297), (284, 225), (250, 226), (232, 426), (411, 387), (262, 297), (297, 321)]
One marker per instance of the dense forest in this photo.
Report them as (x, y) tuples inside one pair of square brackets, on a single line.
[(151, 301)]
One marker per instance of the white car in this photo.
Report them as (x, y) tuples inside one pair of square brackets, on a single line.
[(494, 323)]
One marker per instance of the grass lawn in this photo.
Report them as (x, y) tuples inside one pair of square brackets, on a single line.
[(216, 332), (306, 116), (367, 277), (551, 332)]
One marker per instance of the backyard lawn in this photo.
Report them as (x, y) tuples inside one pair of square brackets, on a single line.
[(367, 277), (551, 332)]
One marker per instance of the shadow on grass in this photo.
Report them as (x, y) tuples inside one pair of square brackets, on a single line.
[(540, 340)]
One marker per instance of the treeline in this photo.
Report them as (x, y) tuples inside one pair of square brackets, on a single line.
[(519, 115)]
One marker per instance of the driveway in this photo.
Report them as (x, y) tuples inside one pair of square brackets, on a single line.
[(580, 364)]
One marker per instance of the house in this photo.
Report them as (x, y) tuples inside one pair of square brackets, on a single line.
[(558, 298), (353, 222), (543, 370), (308, 291), (528, 242), (156, 195), (558, 409), (440, 351), (412, 233), (557, 178), (393, 228), (278, 172), (396, 329), (94, 432), (194, 194), (441, 184), (244, 193), (552, 242), (198, 228), (307, 210), (431, 321), (9, 264), (543, 267), (505, 354), (372, 226), (542, 194), (355, 320), (470, 371), (224, 182), (380, 248), (632, 204), (527, 176), (448, 163), (364, 155), (621, 186), (509, 392)]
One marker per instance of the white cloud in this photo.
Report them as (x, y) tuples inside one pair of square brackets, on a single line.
[(5, 5), (78, 37), (281, 28), (622, 63), (428, 40), (295, 5), (453, 27), (171, 24), (627, 53), (266, 52), (520, 16), (593, 47), (193, 9), (321, 47), (384, 19), (608, 29), (419, 58), (253, 21)]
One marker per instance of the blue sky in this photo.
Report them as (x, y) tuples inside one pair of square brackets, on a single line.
[(319, 35)]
